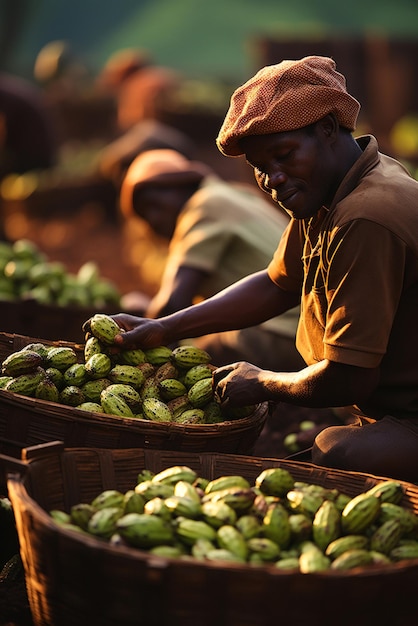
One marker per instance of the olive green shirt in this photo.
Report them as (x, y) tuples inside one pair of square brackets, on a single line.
[(230, 231)]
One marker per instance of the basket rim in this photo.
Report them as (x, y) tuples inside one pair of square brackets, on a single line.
[(46, 407)]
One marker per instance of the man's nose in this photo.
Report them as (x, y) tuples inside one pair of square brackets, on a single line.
[(275, 179)]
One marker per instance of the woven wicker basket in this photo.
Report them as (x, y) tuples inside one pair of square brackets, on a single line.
[(75, 579), (32, 421)]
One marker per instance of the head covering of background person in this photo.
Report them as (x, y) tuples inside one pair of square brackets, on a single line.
[(144, 95), (120, 65), (159, 168)]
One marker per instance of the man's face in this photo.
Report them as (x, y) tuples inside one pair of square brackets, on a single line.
[(159, 207), (297, 168)]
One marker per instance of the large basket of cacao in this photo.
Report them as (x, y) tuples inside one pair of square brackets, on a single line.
[(150, 537), (86, 395)]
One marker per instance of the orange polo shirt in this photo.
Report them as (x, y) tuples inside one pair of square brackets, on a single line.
[(356, 266)]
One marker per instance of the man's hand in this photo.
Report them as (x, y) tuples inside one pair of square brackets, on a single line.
[(323, 384), (239, 384), (140, 332)]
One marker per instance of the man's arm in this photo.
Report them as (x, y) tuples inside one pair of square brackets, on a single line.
[(176, 293), (248, 302), (322, 384)]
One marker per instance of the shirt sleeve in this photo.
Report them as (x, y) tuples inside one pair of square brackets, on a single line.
[(201, 237), (286, 267)]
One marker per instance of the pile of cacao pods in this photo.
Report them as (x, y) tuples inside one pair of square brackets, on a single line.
[(159, 384), (277, 521), (26, 274)]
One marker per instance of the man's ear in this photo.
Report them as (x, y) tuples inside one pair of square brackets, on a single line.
[(329, 126)]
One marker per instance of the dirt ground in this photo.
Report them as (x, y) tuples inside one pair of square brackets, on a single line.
[(285, 420)]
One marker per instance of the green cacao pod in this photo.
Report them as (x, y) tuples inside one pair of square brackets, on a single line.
[(4, 380), (359, 513), (265, 548), (114, 404), (276, 525), (98, 366), (275, 481), (126, 374), (56, 376), (26, 384), (177, 406), (312, 559), (21, 362), (61, 358), (226, 482), (230, 538), (156, 410), (175, 473), (92, 389), (386, 536), (158, 355), (166, 371), (326, 525), (145, 531), (387, 491), (408, 519), (190, 530), (213, 413), (92, 346), (352, 559), (191, 416), (92, 407), (103, 522), (186, 357), (201, 393), (196, 373), (218, 514), (150, 389), (104, 328), (47, 390), (346, 543), (171, 388), (38, 347), (404, 551), (75, 375), (132, 357), (71, 396), (127, 393)]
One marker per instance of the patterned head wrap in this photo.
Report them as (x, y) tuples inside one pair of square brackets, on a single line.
[(285, 97), (161, 168)]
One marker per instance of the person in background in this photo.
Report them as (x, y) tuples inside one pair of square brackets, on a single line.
[(349, 256), (115, 158), (27, 140), (60, 71), (119, 66), (218, 232), (138, 86)]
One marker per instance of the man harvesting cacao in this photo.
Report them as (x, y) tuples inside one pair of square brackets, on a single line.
[(349, 256)]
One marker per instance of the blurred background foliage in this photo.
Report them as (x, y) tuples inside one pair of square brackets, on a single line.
[(198, 37)]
